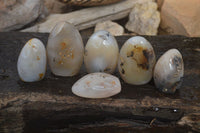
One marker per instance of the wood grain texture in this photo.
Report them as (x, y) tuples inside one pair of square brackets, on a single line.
[(88, 2), (87, 17), (50, 106)]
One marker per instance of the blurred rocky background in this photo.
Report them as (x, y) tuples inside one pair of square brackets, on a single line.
[(120, 17)]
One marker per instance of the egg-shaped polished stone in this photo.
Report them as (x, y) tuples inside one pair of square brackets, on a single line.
[(31, 64), (101, 53), (97, 85), (169, 71), (136, 61), (65, 50)]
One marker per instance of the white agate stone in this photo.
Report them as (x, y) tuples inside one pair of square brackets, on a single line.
[(65, 50), (31, 63), (136, 61), (97, 85), (101, 53), (169, 71)]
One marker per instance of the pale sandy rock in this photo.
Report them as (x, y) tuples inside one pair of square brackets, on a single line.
[(15, 14), (181, 17), (144, 19), (114, 28), (160, 3)]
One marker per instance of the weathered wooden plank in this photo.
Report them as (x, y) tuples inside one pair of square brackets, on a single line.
[(88, 17), (49, 105)]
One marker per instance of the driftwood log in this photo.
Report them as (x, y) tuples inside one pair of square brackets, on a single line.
[(88, 17), (50, 106), (89, 2)]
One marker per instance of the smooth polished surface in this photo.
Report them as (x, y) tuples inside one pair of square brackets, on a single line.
[(101, 53), (65, 50), (136, 61), (97, 85), (31, 63), (169, 71)]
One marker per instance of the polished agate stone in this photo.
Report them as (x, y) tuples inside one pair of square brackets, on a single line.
[(97, 85), (169, 71), (31, 64), (65, 50), (101, 53), (136, 61)]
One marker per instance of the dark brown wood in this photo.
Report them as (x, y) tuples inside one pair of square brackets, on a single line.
[(50, 106)]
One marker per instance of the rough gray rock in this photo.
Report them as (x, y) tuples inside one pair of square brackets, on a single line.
[(14, 14)]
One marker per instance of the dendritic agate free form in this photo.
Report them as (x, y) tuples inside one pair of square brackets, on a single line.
[(136, 61), (101, 53), (31, 63), (97, 85), (65, 50), (169, 71)]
